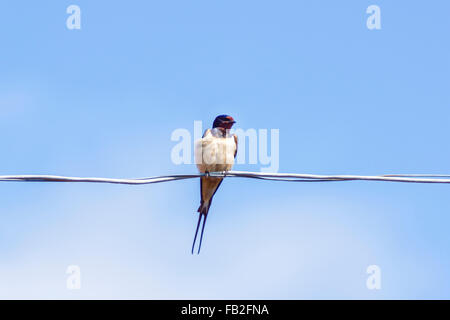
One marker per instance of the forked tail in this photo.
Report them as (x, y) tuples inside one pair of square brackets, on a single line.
[(203, 212)]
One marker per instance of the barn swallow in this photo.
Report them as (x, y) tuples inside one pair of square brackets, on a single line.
[(214, 152)]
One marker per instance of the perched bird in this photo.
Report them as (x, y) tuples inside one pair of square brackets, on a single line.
[(214, 152)]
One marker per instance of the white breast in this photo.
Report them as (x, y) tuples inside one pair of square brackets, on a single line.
[(214, 153)]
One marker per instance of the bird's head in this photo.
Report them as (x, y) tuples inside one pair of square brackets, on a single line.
[(223, 121)]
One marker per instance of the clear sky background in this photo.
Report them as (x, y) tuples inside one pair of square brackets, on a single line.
[(103, 101)]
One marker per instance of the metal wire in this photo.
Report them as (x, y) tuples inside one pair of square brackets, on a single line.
[(292, 177)]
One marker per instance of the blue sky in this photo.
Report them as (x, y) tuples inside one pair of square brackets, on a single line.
[(103, 101)]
